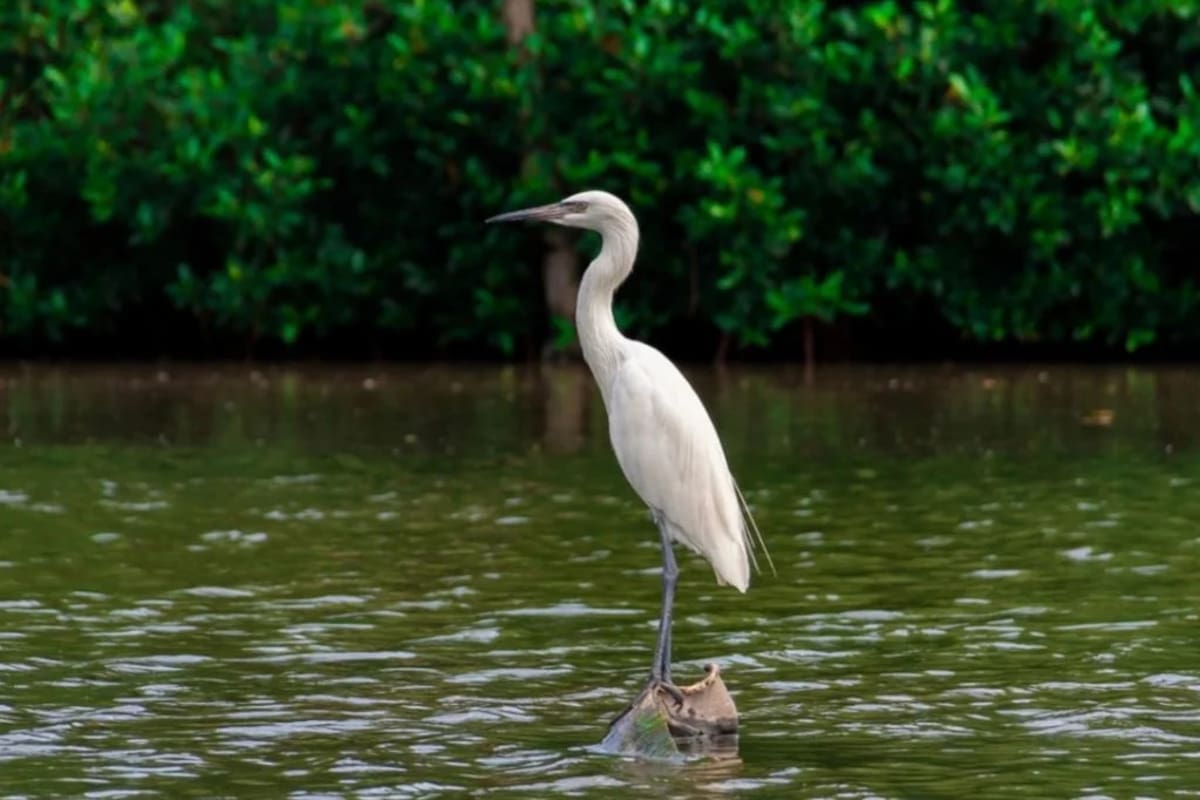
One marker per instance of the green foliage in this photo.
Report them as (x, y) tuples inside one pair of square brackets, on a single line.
[(294, 171)]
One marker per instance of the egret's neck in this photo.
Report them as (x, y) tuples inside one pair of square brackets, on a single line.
[(603, 345)]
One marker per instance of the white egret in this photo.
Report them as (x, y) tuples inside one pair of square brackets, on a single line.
[(663, 437)]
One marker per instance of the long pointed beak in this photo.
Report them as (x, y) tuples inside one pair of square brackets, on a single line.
[(538, 213)]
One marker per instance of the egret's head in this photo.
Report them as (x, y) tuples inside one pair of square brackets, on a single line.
[(593, 210)]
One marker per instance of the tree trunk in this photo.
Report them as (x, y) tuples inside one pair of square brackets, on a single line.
[(518, 20), (722, 353), (560, 277), (560, 265), (810, 350)]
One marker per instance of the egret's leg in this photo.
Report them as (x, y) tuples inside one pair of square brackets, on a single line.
[(661, 671)]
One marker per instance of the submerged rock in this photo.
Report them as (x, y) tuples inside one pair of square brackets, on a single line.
[(656, 725)]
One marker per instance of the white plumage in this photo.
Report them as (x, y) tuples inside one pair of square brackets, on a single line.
[(671, 456), (663, 437)]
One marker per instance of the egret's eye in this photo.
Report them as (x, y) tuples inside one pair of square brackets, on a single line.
[(574, 206)]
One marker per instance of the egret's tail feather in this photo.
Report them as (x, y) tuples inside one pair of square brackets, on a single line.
[(757, 534)]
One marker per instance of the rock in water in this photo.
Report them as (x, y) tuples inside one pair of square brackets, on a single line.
[(656, 726), (642, 730)]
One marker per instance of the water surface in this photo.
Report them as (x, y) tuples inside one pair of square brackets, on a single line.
[(434, 582)]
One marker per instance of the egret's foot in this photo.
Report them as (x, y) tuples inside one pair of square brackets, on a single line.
[(654, 727), (671, 690)]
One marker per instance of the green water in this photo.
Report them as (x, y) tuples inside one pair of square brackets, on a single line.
[(435, 583)]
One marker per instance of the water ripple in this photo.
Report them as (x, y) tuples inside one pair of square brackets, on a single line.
[(313, 590)]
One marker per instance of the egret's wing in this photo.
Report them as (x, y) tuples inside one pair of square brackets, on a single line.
[(670, 452)]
